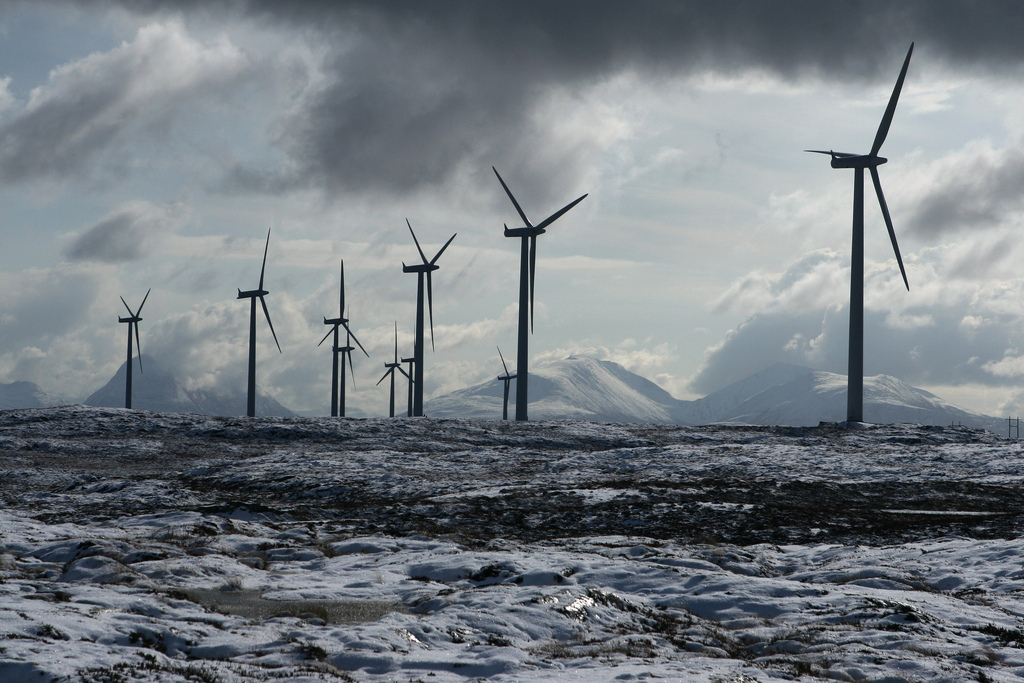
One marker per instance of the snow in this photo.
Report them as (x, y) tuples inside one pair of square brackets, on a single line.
[(582, 388), (578, 387), (169, 547), (154, 388)]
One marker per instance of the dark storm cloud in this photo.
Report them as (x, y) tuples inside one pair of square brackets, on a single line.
[(417, 90), (979, 192), (124, 235)]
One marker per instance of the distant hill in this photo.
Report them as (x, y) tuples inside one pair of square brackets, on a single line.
[(27, 395), (157, 390), (578, 388), (789, 394), (583, 388)]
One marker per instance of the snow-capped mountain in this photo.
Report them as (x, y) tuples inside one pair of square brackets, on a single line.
[(27, 395), (156, 389), (578, 388), (783, 394), (787, 394)]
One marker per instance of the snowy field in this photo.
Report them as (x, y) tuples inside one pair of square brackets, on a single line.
[(160, 547)]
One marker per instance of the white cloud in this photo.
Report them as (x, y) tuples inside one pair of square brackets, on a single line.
[(103, 102)]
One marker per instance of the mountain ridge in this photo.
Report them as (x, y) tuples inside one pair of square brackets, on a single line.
[(580, 387), (158, 390)]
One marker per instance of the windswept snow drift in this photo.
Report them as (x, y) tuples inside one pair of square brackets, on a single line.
[(512, 552)]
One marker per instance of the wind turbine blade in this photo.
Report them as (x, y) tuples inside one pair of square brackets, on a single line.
[(502, 360), (352, 368), (438, 255), (264, 266), (351, 337), (533, 272), (341, 303), (143, 302), (558, 214), (402, 370), (396, 341), (138, 344), (329, 331), (514, 202), (888, 224), (422, 255), (266, 312), (385, 376), (126, 306), (883, 127), (430, 308)]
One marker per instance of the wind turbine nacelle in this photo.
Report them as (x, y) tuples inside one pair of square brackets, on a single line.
[(420, 268), (335, 321), (252, 293), (523, 232), (858, 161), (133, 319)]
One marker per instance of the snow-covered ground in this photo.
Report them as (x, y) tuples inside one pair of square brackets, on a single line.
[(161, 547)]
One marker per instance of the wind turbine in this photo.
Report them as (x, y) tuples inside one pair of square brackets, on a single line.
[(133, 320), (252, 295), (527, 270), (410, 374), (858, 162), (338, 400), (421, 269), (391, 367), (507, 379)]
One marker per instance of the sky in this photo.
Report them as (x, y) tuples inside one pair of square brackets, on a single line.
[(152, 145)]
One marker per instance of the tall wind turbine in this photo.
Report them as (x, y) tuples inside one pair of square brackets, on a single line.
[(391, 367), (507, 379), (252, 295), (858, 162), (133, 320), (422, 269), (338, 399), (527, 270)]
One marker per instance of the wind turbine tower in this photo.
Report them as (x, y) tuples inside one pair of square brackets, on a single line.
[(410, 374), (527, 271), (859, 162), (422, 269), (252, 295), (507, 379), (338, 397), (133, 320), (391, 367)]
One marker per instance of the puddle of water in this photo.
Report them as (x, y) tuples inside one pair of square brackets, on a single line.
[(251, 604)]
